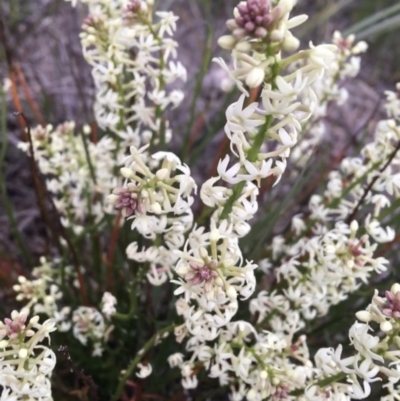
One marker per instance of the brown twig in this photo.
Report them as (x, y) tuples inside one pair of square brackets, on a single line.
[(94, 134), (371, 184), (382, 251), (196, 130), (21, 77)]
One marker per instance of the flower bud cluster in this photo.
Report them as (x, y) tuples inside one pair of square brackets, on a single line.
[(375, 340), (43, 293), (157, 196), (25, 363), (78, 185), (324, 270), (346, 64), (262, 133), (133, 60), (323, 260), (108, 303), (260, 20), (90, 327), (213, 277), (255, 366)]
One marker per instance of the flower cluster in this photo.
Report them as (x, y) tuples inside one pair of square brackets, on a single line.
[(157, 196), (346, 64), (377, 350), (133, 68), (323, 259), (25, 363), (78, 172), (89, 325), (262, 133), (327, 253), (43, 295), (213, 275), (43, 292)]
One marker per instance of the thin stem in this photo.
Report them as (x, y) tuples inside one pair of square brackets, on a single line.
[(133, 305), (88, 157), (324, 382), (141, 354), (371, 184), (252, 157)]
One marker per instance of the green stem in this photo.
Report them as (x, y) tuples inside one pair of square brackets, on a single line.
[(322, 383), (138, 358), (133, 305), (252, 157), (88, 157)]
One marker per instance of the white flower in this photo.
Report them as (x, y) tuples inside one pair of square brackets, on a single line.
[(364, 342), (167, 22), (255, 173), (240, 119), (175, 360), (145, 370), (109, 302), (228, 175)]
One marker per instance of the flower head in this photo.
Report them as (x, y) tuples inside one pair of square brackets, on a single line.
[(254, 17), (201, 274), (14, 326), (126, 199), (392, 306)]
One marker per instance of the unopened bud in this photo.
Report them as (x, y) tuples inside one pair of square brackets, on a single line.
[(203, 253), (162, 174), (255, 77), (386, 327), (354, 226), (210, 295), (363, 316), (243, 46), (251, 395), (290, 43), (23, 353), (228, 262), (127, 172), (231, 292), (182, 270), (214, 235), (395, 288), (112, 198), (86, 129), (227, 42), (218, 281), (34, 320), (156, 208)]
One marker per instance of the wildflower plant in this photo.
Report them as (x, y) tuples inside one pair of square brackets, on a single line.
[(158, 284)]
